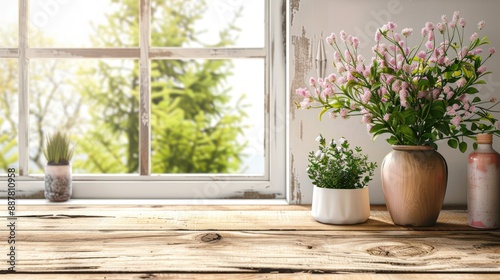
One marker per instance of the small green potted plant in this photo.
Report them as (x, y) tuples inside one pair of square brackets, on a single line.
[(340, 176), (58, 152)]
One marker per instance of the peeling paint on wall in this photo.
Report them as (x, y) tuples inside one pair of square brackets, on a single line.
[(296, 195), (302, 64), (294, 8)]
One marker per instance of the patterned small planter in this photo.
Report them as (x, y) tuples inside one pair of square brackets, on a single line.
[(58, 182)]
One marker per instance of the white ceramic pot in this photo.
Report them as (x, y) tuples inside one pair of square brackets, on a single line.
[(340, 206), (58, 182)]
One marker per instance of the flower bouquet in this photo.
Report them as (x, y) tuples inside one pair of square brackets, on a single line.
[(418, 95)]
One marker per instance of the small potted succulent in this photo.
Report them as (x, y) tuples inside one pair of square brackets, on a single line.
[(58, 181), (340, 176)]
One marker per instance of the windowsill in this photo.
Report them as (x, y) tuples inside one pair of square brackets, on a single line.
[(155, 202)]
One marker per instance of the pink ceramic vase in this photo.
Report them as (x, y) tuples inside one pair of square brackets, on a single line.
[(483, 185)]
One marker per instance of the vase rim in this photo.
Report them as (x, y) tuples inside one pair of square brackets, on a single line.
[(365, 187), (412, 147)]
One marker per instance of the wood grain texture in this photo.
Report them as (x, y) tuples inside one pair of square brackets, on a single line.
[(256, 276), (163, 218), (257, 251), (247, 242)]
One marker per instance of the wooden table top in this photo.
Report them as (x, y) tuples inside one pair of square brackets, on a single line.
[(64, 241)]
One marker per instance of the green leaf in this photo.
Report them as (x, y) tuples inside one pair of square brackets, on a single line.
[(462, 147), (471, 90), (453, 143), (322, 112), (376, 128)]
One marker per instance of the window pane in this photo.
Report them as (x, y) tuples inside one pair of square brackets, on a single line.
[(8, 24), (213, 23), (208, 116), (84, 23), (8, 114), (97, 101)]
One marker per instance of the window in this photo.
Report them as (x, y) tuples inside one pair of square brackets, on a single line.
[(163, 98)]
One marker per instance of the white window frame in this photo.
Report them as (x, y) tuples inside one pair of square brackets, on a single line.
[(178, 186)]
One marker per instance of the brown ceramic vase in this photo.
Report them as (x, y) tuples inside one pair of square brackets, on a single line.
[(414, 182)]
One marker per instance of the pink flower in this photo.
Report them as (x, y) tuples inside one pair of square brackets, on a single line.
[(429, 45), (312, 81), (355, 42), (456, 120), (391, 25), (387, 117), (456, 16), (478, 51), (492, 50), (461, 82), (333, 115), (435, 93), (450, 111), (422, 94), (446, 89), (473, 36), (377, 36), (407, 32), (332, 78), (340, 68), (305, 103), (327, 92), (366, 97), (367, 118), (444, 19), (421, 55), (429, 25), (303, 92), (431, 36), (331, 39), (349, 39), (343, 113), (441, 27), (397, 37), (424, 32), (481, 24), (343, 35), (449, 95), (481, 69), (462, 22), (336, 57)]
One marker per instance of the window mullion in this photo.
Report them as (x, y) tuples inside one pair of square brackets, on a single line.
[(144, 89), (23, 90)]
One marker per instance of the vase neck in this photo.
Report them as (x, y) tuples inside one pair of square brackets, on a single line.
[(412, 147)]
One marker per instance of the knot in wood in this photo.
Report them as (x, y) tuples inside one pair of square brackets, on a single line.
[(403, 250), (211, 237)]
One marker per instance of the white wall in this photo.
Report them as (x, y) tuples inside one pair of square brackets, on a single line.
[(308, 18)]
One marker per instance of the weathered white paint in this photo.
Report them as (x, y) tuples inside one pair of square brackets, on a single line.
[(23, 90), (218, 53), (361, 18), (145, 89), (9, 53)]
